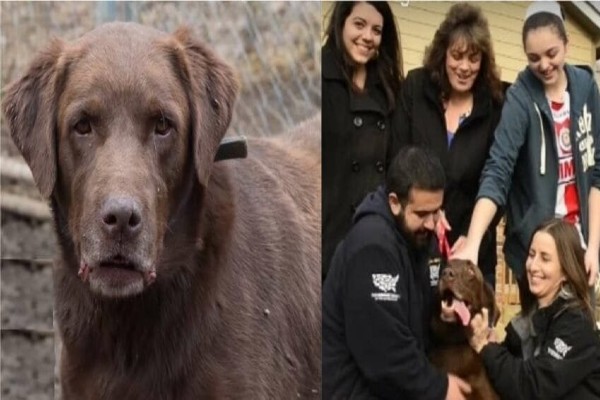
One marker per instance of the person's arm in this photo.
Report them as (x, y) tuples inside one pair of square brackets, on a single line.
[(496, 177), (566, 358), (499, 211), (592, 254), (377, 330), (483, 213)]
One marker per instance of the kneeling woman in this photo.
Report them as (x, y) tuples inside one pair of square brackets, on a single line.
[(551, 351)]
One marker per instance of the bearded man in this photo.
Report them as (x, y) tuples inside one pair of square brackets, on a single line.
[(377, 297)]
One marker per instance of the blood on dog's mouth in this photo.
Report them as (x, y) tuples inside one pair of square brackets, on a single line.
[(116, 276)]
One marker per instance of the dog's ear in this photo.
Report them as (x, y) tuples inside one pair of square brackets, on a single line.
[(489, 297), (30, 109), (213, 89), (490, 303)]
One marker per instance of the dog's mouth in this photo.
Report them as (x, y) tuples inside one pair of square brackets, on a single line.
[(119, 262), (453, 305), (116, 276)]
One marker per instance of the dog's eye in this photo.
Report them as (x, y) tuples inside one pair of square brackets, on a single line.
[(163, 126), (83, 127)]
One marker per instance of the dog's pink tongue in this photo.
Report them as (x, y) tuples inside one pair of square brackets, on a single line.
[(462, 311)]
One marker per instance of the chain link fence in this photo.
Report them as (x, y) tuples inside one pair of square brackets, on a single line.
[(273, 45)]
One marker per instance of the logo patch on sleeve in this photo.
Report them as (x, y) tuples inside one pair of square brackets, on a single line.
[(387, 284), (434, 271), (560, 349)]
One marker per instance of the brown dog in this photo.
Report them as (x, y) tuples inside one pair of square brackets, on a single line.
[(463, 293), (179, 277)]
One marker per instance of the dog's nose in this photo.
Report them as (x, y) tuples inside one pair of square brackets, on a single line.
[(121, 215), (448, 273)]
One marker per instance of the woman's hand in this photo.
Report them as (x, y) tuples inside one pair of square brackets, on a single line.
[(591, 266), (464, 250), (459, 244), (482, 333), (482, 216)]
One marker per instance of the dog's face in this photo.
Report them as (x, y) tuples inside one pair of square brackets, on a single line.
[(464, 293), (114, 128)]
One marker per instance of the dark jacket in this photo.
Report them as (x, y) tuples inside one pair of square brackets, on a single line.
[(376, 313), (422, 122), (561, 360), (356, 135), (523, 163)]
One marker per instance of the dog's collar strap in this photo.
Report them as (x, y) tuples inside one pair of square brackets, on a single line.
[(231, 148)]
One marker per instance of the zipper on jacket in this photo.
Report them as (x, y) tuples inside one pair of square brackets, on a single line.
[(543, 146)]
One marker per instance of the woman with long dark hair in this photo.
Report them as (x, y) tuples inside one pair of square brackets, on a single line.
[(452, 105), (551, 349), (361, 76), (545, 159)]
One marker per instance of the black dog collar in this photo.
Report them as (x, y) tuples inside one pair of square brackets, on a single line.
[(232, 148)]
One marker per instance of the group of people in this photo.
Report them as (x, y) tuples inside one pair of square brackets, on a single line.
[(420, 169)]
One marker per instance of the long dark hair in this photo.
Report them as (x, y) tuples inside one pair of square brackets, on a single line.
[(389, 62), (571, 259), (464, 21)]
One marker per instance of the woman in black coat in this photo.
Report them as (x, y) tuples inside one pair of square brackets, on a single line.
[(361, 74), (551, 349), (452, 105)]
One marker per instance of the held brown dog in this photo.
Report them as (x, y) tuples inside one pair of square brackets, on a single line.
[(463, 293), (178, 277)]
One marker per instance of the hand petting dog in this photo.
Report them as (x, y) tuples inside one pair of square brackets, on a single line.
[(482, 333)]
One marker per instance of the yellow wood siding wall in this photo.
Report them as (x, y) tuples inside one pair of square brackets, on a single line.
[(418, 20)]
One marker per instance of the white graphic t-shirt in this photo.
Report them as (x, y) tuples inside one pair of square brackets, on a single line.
[(567, 200)]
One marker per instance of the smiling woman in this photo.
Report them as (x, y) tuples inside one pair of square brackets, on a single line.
[(360, 84), (551, 351), (362, 37), (452, 104), (544, 272), (545, 159)]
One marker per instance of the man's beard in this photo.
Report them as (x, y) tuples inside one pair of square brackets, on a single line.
[(420, 239)]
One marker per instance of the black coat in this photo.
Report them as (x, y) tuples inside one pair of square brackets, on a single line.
[(422, 122), (560, 361), (377, 306), (356, 136)]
